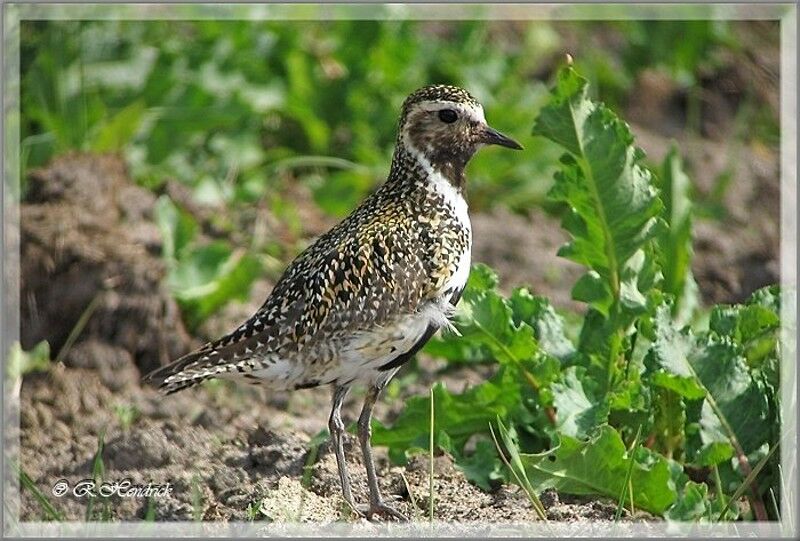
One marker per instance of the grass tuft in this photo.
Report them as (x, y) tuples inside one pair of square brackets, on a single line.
[(50, 510), (98, 475), (517, 470), (308, 468), (627, 485)]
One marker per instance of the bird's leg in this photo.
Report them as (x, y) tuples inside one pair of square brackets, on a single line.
[(376, 503), (336, 427)]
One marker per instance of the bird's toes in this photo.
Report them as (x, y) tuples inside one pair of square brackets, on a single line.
[(359, 511), (384, 511)]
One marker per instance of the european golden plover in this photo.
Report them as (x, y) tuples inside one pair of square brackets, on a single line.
[(369, 293)]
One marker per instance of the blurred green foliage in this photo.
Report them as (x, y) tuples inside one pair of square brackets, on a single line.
[(207, 102), (221, 105), (681, 48)]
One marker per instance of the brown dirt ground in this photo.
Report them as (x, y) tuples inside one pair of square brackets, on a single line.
[(225, 448), (224, 451)]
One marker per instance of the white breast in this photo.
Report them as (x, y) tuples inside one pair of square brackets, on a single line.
[(454, 199), (369, 350)]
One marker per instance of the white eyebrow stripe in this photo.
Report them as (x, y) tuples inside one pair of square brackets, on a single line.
[(474, 112)]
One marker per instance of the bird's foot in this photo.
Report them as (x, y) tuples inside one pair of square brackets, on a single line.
[(358, 510), (382, 510)]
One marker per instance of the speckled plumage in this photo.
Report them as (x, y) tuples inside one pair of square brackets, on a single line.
[(365, 296), (389, 259), (342, 307)]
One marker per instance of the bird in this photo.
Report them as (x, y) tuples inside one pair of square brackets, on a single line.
[(366, 296)]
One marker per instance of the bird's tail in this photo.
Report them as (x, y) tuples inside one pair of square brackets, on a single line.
[(183, 373)]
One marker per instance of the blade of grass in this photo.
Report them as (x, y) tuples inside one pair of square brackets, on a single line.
[(747, 481), (430, 474), (316, 161), (417, 516), (518, 470), (313, 453), (150, 513), (626, 485), (50, 510), (718, 486), (775, 507), (78, 328), (98, 472), (744, 464)]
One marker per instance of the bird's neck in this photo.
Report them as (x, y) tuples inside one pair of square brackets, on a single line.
[(412, 165)]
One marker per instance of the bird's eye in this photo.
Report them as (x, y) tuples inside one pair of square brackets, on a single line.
[(448, 115)]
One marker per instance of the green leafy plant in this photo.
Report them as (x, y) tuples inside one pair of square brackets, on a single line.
[(639, 398)]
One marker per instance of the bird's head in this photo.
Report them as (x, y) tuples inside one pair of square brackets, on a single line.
[(445, 126)]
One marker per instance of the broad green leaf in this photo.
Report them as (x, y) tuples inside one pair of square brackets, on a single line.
[(768, 297), (613, 205), (481, 278), (459, 416), (754, 325), (692, 504), (713, 368), (629, 396), (208, 277), (722, 369), (598, 467), (577, 412), (455, 350), (593, 290), (485, 318), (195, 274), (483, 467), (668, 360), (470, 344), (669, 420), (548, 326), (562, 119), (714, 452), (488, 327)]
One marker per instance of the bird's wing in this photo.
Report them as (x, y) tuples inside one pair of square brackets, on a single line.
[(355, 277)]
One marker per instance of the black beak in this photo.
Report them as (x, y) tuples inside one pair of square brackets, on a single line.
[(491, 136)]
